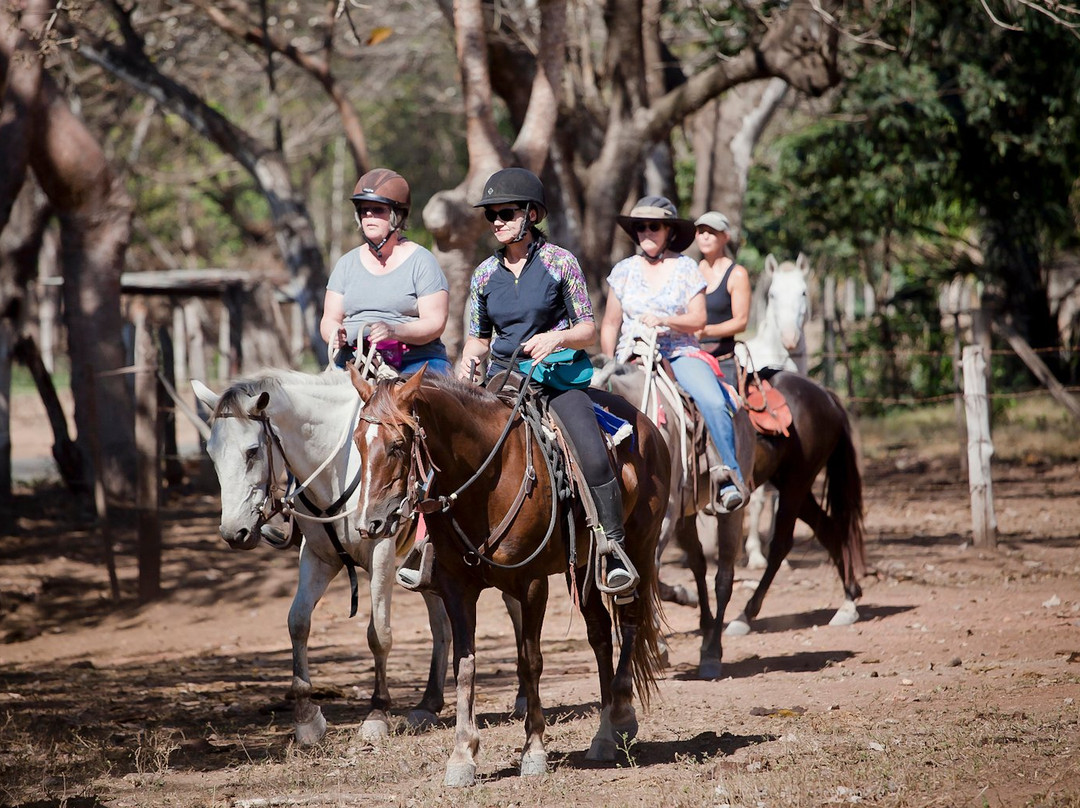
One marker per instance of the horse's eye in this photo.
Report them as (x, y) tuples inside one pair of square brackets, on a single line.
[(397, 449), (251, 455)]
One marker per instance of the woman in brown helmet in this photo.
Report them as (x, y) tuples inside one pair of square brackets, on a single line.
[(389, 285)]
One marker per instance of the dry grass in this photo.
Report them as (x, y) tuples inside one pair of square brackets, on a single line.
[(1026, 430)]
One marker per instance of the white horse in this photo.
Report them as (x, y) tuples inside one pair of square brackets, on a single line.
[(780, 342), (302, 423)]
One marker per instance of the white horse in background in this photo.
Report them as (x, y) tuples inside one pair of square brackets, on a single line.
[(779, 342), (302, 423)]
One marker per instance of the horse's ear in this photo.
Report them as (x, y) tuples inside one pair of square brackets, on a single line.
[(256, 404), (770, 265), (205, 394), (802, 263), (407, 392), (365, 388)]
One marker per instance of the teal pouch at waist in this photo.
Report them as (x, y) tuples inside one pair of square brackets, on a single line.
[(568, 369)]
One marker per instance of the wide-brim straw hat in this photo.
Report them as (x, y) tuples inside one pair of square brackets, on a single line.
[(659, 209)]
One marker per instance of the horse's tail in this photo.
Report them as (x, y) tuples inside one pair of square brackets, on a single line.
[(646, 610), (844, 497), (645, 657)]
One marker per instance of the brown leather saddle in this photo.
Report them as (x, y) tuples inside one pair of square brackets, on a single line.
[(765, 405)]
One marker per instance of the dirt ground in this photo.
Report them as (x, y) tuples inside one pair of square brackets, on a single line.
[(960, 685)]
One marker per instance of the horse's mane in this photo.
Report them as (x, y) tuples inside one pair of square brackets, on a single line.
[(384, 407), (269, 380)]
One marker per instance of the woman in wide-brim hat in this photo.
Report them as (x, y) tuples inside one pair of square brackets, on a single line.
[(662, 289), (658, 210)]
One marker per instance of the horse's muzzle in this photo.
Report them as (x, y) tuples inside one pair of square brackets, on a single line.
[(242, 539)]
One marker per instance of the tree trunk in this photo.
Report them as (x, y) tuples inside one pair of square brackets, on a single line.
[(726, 131), (94, 213)]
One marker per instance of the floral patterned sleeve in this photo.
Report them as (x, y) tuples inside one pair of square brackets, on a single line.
[(565, 266), (479, 323)]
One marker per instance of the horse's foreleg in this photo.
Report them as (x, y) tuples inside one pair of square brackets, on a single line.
[(380, 638), (728, 535), (513, 609), (761, 501), (461, 609), (690, 541), (427, 711), (828, 532), (530, 667), (315, 576), (783, 538)]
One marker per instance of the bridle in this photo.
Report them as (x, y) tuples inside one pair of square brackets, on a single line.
[(284, 504), (421, 477)]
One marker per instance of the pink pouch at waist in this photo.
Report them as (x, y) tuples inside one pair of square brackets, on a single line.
[(392, 351), (709, 360)]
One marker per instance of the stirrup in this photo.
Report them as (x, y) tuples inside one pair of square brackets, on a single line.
[(623, 592), (415, 571)]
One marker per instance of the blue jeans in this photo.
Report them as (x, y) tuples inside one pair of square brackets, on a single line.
[(440, 366), (697, 379)]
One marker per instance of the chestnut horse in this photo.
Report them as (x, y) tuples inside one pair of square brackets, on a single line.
[(474, 468)]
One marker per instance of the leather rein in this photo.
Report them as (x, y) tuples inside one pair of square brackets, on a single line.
[(421, 479), (278, 500)]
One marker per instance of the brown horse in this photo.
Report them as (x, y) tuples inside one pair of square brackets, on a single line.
[(474, 467), (819, 438)]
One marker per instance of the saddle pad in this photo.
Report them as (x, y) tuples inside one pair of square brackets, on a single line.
[(767, 408)]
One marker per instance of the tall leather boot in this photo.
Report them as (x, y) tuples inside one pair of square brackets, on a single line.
[(619, 578)]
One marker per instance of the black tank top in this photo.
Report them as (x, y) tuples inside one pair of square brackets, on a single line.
[(718, 310)]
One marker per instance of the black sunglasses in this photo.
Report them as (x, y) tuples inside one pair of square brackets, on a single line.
[(652, 227), (505, 215)]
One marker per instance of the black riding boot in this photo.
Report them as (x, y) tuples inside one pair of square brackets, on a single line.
[(609, 510)]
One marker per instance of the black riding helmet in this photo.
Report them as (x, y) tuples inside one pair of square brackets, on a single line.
[(516, 185)]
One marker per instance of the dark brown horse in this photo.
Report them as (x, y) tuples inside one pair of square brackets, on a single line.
[(819, 438), (494, 520)]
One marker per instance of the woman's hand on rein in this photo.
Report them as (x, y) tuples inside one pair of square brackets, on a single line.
[(541, 345), (380, 332)]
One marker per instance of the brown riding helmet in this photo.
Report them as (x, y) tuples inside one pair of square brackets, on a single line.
[(384, 186)]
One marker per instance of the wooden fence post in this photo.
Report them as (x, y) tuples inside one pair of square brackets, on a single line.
[(980, 448), (829, 308), (148, 458)]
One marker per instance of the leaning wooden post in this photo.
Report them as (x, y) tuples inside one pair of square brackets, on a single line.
[(830, 331), (980, 448), (148, 463)]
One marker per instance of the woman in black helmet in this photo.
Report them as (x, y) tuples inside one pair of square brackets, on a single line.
[(392, 285), (530, 302)]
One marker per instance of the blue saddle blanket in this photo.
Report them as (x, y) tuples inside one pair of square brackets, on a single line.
[(618, 428)]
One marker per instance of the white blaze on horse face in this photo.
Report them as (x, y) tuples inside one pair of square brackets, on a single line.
[(369, 436)]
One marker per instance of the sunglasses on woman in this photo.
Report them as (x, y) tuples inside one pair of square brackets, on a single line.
[(504, 215), (652, 227)]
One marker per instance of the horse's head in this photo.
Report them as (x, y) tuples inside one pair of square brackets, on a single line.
[(384, 437), (788, 304), (245, 459)]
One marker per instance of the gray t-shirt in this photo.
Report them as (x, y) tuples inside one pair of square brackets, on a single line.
[(389, 298)]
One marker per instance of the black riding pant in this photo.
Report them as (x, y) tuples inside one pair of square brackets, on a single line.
[(575, 411)]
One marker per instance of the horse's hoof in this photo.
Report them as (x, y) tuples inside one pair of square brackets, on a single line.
[(374, 730), (602, 749), (710, 669), (533, 763), (520, 708), (311, 732), (756, 562), (685, 597), (739, 627), (418, 719), (846, 615), (460, 775)]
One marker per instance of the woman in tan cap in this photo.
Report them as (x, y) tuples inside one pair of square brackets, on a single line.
[(663, 289), (727, 291)]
